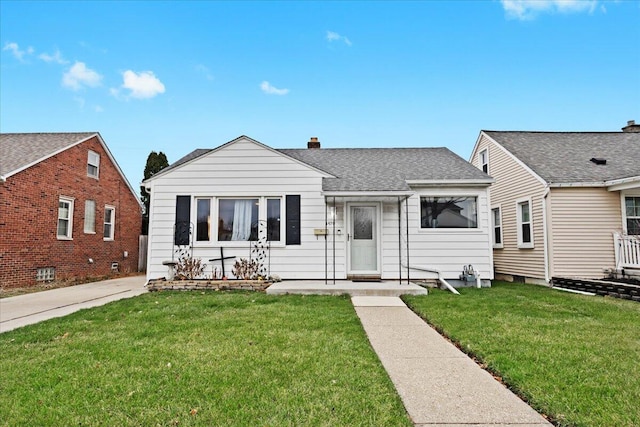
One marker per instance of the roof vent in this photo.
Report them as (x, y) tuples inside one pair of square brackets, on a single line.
[(313, 142), (599, 161)]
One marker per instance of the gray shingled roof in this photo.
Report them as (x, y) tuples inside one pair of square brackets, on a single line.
[(192, 155), (18, 150), (385, 169), (375, 169), (564, 157)]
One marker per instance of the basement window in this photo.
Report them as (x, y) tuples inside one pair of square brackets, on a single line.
[(45, 274)]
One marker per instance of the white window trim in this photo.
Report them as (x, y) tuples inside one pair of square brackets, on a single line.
[(113, 224), (97, 175), (493, 228), (282, 212), (623, 204), (90, 231), (69, 235), (444, 230), (486, 159), (215, 209), (521, 244)]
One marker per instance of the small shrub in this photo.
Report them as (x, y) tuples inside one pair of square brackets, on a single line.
[(246, 269), (188, 267)]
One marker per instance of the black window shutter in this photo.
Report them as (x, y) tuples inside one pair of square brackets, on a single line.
[(183, 220), (293, 219)]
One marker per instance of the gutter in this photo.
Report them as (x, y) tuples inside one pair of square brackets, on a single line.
[(440, 278)]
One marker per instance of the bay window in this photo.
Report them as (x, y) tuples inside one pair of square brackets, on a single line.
[(221, 219)]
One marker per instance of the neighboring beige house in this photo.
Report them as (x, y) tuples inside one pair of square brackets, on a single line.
[(564, 204)]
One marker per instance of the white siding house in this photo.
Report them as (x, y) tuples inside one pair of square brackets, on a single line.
[(324, 213), (581, 194)]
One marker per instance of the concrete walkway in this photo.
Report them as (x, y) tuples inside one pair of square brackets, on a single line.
[(36, 307), (439, 384)]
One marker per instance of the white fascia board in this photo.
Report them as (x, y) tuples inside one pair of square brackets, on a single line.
[(35, 162), (233, 141), (367, 193), (623, 184), (450, 182), (475, 147), (577, 184), (517, 160)]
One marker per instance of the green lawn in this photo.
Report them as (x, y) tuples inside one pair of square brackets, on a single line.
[(210, 359), (573, 357)]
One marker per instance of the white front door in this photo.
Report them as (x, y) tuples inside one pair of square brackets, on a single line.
[(363, 238)]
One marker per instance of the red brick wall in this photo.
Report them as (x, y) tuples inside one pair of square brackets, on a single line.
[(29, 218)]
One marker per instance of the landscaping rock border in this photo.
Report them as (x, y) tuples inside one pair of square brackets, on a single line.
[(208, 285)]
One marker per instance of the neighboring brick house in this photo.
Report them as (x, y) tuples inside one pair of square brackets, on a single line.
[(66, 209)]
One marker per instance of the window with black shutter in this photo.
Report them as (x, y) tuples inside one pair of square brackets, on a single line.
[(183, 220), (293, 219)]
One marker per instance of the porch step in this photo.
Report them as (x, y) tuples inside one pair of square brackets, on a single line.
[(364, 277), (386, 288)]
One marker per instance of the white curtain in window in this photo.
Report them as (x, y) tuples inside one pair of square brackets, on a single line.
[(242, 220)]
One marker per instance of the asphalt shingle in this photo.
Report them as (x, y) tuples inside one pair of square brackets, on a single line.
[(565, 157), (18, 150), (385, 169)]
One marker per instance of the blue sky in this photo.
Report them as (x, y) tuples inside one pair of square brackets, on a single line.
[(176, 76)]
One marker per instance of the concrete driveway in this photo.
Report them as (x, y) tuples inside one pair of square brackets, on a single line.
[(33, 308)]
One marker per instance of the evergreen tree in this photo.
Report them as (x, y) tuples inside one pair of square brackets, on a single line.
[(155, 163)]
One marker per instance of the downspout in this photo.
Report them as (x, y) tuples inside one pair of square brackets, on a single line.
[(440, 278), (545, 234), (326, 248)]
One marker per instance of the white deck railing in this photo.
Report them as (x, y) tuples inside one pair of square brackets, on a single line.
[(627, 249)]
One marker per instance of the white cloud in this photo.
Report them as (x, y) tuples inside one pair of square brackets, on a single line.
[(56, 57), (272, 90), (204, 71), (98, 109), (142, 85), (15, 50), (530, 9), (80, 76), (333, 37)]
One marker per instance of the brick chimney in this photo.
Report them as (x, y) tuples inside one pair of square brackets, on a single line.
[(313, 142), (631, 127)]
